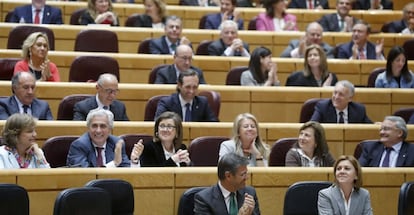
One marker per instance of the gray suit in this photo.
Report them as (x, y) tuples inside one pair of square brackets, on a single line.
[(40, 109), (82, 108), (331, 202)]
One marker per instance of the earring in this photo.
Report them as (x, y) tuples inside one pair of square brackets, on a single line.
[(156, 134)]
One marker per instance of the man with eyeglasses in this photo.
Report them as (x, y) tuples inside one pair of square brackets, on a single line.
[(24, 99), (185, 102), (399, 25), (341, 21), (107, 90), (183, 57), (391, 150), (229, 43)]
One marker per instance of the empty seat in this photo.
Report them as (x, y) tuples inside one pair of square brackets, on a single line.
[(406, 199), (96, 40), (214, 100), (307, 109), (409, 49), (18, 34), (89, 68), (7, 68), (202, 22), (13, 200), (234, 75), (404, 113), (204, 151), (144, 47), (186, 204), (65, 109), (279, 150), (56, 149)]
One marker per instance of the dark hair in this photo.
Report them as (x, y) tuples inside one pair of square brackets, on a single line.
[(255, 65), (392, 55), (357, 166), (322, 148), (230, 163), (178, 139), (188, 72), (363, 23), (268, 4)]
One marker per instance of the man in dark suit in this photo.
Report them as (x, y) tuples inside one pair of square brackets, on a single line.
[(227, 12), (230, 195), (360, 47), (391, 150), (341, 108), (23, 99), (313, 35), (168, 43), (340, 21), (229, 43), (182, 62), (399, 25), (97, 147), (185, 102), (38, 13), (315, 4), (107, 90), (373, 5), (201, 3)]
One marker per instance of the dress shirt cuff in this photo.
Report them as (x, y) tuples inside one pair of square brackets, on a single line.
[(110, 165), (228, 51), (295, 53)]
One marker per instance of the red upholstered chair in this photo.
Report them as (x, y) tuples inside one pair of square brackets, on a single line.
[(56, 150), (385, 27), (18, 34), (75, 16), (88, 68), (143, 47), (279, 150), (252, 24), (96, 40), (373, 76), (404, 113), (65, 109), (307, 110), (234, 75), (7, 68), (204, 151), (214, 100), (202, 22), (409, 49), (202, 48), (358, 148), (151, 107), (153, 73), (131, 139)]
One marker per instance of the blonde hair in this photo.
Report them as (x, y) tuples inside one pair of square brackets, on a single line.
[(92, 7), (30, 41)]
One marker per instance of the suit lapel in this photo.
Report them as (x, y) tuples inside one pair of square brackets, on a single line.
[(46, 15), (218, 199), (13, 106), (176, 106), (379, 148), (402, 155), (339, 199), (29, 14), (165, 45)]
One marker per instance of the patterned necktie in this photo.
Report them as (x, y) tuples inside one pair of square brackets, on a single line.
[(99, 159), (187, 113), (362, 54), (341, 118), (37, 17), (233, 205), (386, 161)]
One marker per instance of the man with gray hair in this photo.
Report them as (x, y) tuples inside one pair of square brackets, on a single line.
[(97, 147), (398, 26), (107, 90), (391, 150), (229, 43), (341, 108)]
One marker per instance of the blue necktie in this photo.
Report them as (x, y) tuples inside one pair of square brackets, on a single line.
[(341, 118), (25, 108), (386, 161), (187, 113)]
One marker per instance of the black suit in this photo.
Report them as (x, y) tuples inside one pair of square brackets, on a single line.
[(372, 153), (302, 4), (366, 4), (51, 15), (329, 22), (154, 156), (40, 109), (397, 26), (325, 112), (143, 20), (168, 75), (82, 108), (218, 47), (200, 109), (298, 79)]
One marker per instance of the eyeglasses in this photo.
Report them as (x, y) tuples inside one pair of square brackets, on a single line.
[(185, 58), (386, 128), (109, 90), (166, 127)]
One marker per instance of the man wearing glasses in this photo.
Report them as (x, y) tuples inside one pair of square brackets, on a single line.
[(183, 57), (391, 150), (107, 90)]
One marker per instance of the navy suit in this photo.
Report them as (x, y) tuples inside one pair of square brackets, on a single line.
[(302, 4), (372, 153), (298, 79), (213, 21), (218, 47), (160, 46), (325, 112), (51, 15), (82, 152), (211, 200), (154, 156), (411, 120), (82, 108), (397, 26), (345, 51), (366, 5), (195, 3), (200, 109), (329, 22), (40, 109), (168, 75)]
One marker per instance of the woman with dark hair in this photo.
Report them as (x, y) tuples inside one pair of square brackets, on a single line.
[(167, 148), (262, 71), (311, 150), (276, 18), (155, 15), (345, 196), (397, 74), (315, 72), (99, 12)]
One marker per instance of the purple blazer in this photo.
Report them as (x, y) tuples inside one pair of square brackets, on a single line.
[(265, 23)]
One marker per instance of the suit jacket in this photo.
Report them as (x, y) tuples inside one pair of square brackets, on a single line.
[(211, 201), (51, 15), (195, 3), (82, 108), (168, 75), (397, 26), (372, 153), (143, 20), (325, 112), (213, 21), (160, 46), (302, 4), (293, 44), (154, 156), (265, 23), (40, 109), (218, 47), (82, 152), (345, 51), (411, 120), (86, 19), (365, 5), (331, 202), (329, 22), (299, 79), (200, 109)]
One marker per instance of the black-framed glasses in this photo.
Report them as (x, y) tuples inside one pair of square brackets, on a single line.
[(166, 127)]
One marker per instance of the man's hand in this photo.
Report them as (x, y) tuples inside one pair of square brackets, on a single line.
[(118, 152), (248, 205)]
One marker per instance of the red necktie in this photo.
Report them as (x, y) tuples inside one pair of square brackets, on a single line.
[(37, 17), (99, 159), (310, 4)]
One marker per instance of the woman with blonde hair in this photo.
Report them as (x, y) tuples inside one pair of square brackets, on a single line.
[(34, 52), (99, 12), (246, 141)]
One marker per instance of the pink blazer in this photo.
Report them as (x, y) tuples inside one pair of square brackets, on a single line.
[(265, 23)]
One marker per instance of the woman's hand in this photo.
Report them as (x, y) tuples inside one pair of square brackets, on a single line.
[(137, 151), (328, 81), (252, 149), (181, 156), (272, 75), (45, 70), (38, 153)]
